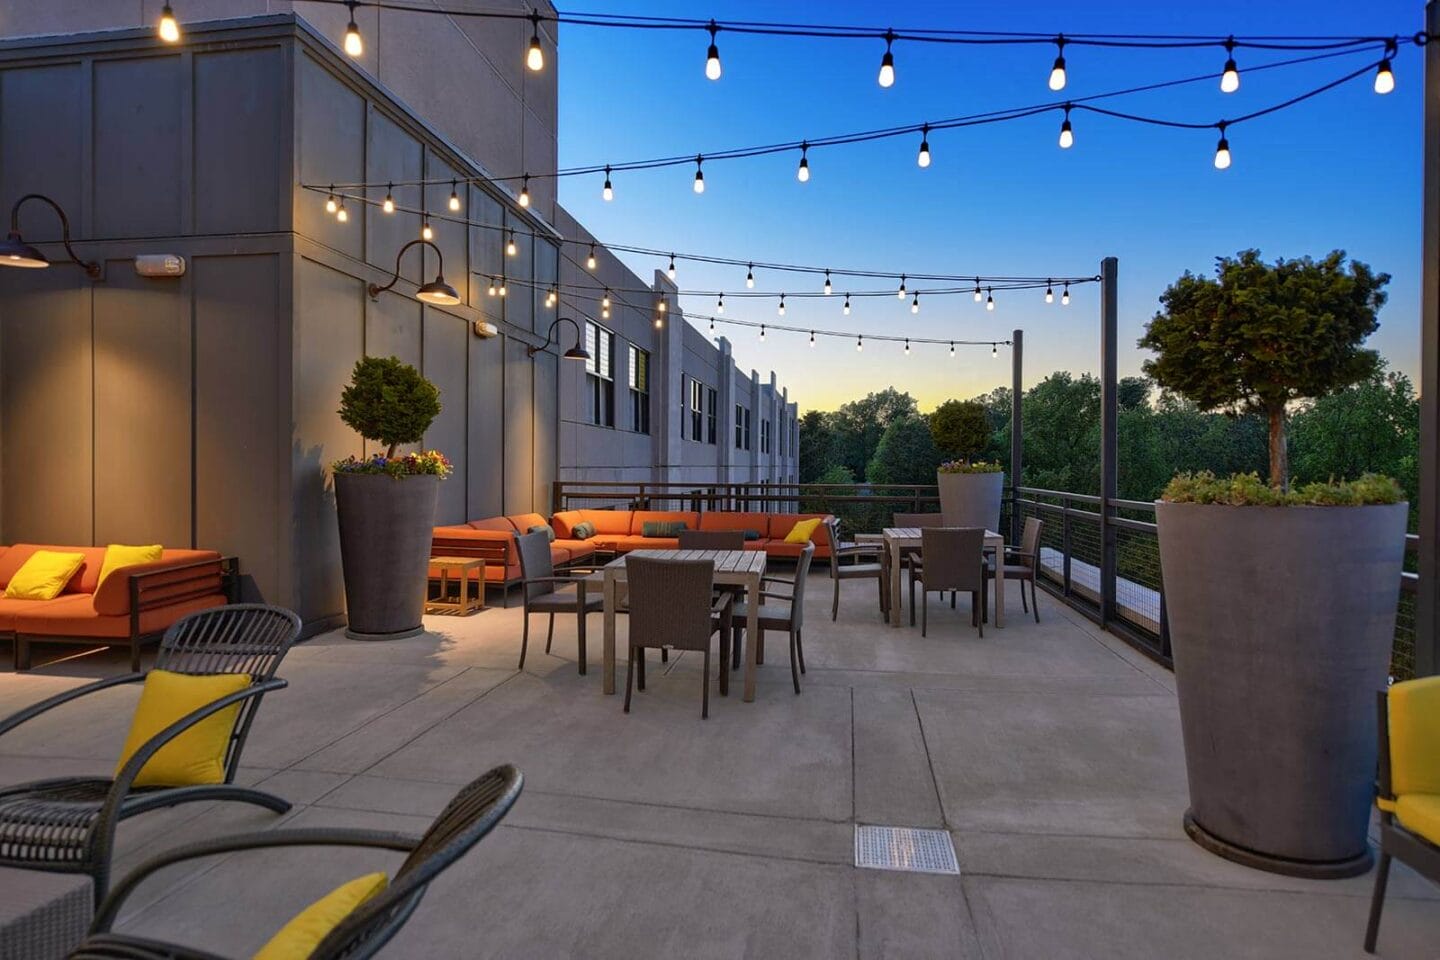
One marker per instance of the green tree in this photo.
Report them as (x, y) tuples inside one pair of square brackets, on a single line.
[(961, 429), (816, 441), (389, 401), (1132, 393), (905, 454), (1062, 433), (857, 426), (1261, 336), (1371, 427)]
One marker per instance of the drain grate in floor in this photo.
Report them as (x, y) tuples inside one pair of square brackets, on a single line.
[(905, 848)]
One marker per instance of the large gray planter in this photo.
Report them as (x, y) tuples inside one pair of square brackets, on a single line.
[(386, 525), (1281, 622), (971, 499)]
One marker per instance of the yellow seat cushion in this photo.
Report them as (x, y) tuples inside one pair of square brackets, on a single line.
[(1420, 813), (43, 576), (802, 531), (1414, 709), (197, 755), (299, 938), (118, 555)]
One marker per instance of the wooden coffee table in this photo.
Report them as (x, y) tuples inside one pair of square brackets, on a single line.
[(462, 568)]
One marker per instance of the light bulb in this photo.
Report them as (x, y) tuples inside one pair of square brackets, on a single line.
[(750, 277), (341, 214), (389, 203), (169, 29), (1065, 296), (535, 57), (900, 294), (659, 323), (1049, 294), (1222, 153), (712, 324), (605, 301), (353, 46), (454, 198), (762, 333), (782, 305), (590, 260), (1230, 78), (503, 289), (491, 290), (426, 233), (802, 172), (1384, 77), (812, 338), (720, 304), (671, 270), (952, 349), (607, 193), (712, 56), (915, 304), (605, 313), (977, 291), (887, 63), (524, 198), (859, 343), (989, 299), (827, 283), (1067, 133), (330, 205), (994, 350), (847, 305), (662, 306), (907, 346), (699, 177), (1057, 70), (510, 246), (923, 158)]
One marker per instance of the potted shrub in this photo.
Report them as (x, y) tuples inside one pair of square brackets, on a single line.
[(1281, 603), (386, 503), (971, 492)]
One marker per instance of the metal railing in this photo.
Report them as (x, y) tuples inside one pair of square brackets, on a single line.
[(1074, 566)]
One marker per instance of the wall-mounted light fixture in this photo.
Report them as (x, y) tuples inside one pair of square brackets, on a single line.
[(15, 252), (576, 352), (437, 291)]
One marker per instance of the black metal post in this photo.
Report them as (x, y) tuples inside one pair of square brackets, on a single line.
[(1109, 267), (1427, 623), (1017, 446)]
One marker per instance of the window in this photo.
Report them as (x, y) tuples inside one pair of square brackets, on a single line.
[(600, 373), (765, 436), (739, 427), (747, 429), (697, 409), (710, 400), (639, 390)]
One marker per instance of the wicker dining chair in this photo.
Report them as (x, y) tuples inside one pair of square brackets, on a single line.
[(673, 603), (538, 582), (473, 813), (1022, 563), (67, 824), (858, 569), (954, 561), (790, 617), (712, 539)]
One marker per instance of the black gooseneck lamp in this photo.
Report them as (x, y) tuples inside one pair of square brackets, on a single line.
[(15, 252), (437, 291), (576, 352)]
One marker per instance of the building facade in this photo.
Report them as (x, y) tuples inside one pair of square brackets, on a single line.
[(201, 409)]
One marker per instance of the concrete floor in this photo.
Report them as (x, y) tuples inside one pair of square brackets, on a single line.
[(1051, 753)]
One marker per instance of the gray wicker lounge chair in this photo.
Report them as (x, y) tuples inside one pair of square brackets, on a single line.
[(954, 560), (67, 825), (538, 587), (470, 816), (673, 604), (712, 539), (788, 614)]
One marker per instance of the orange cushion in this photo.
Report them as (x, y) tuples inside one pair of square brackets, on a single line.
[(524, 521), (626, 544), (84, 579), (113, 597), (608, 521), (578, 549), (76, 616), (641, 517), (759, 522), (497, 524), (782, 523)]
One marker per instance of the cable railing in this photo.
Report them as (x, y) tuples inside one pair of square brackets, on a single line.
[(1076, 565)]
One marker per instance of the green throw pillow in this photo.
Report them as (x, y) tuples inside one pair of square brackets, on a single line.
[(662, 528), (543, 528), (583, 530)]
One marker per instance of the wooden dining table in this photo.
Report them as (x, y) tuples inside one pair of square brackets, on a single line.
[(740, 568), (897, 540)]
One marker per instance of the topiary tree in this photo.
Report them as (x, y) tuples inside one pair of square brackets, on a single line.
[(389, 401), (1261, 336), (961, 429)]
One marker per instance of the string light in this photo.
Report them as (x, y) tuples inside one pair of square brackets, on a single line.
[(915, 304), (671, 270), (1057, 70), (699, 175), (952, 348), (977, 290), (511, 247), (454, 198), (503, 289), (1222, 150), (712, 56), (330, 205), (340, 213), (353, 45), (762, 333), (720, 304), (887, 63), (490, 291), (994, 350), (1230, 78), (802, 173), (859, 343), (605, 301), (1065, 296), (750, 277), (846, 311), (426, 231), (1384, 76), (900, 294), (168, 27), (989, 298), (1067, 133), (812, 338), (590, 260), (388, 205), (524, 198), (827, 283), (712, 324), (782, 305), (662, 306), (607, 193), (1049, 293), (907, 346), (923, 158), (535, 57)]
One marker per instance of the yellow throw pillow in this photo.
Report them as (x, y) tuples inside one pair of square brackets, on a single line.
[(802, 531), (44, 575), (196, 756), (299, 938), (118, 555)]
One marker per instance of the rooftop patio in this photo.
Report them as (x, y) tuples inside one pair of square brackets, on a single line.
[(1051, 753)]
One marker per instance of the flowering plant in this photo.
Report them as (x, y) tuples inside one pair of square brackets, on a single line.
[(427, 463), (970, 466)]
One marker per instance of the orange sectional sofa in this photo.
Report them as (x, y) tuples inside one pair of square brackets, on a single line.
[(494, 539), (133, 606)]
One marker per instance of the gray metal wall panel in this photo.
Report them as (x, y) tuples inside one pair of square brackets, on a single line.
[(484, 455), (393, 155), (446, 365), (238, 99), (330, 134), (450, 237), (47, 401), (43, 146), (137, 160), (328, 331), (142, 409), (546, 420), (519, 412), (238, 497)]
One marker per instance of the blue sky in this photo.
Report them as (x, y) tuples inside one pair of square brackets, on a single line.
[(1342, 170)]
